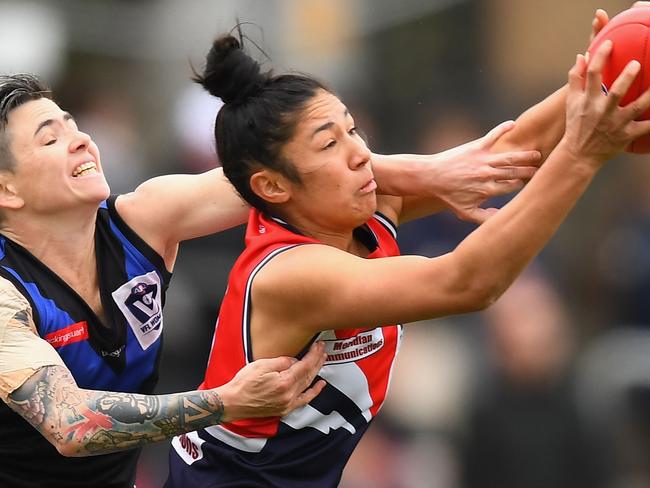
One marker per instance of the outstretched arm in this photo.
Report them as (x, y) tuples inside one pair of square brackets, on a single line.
[(84, 422), (81, 422), (323, 287), (464, 178), (540, 127), (460, 179), (169, 209)]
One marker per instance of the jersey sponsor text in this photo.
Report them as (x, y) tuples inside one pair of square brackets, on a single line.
[(352, 349), (72, 333)]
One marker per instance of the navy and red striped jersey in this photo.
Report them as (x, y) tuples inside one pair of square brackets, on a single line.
[(310, 446)]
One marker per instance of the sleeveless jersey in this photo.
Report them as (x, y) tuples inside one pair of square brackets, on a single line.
[(310, 446), (121, 355)]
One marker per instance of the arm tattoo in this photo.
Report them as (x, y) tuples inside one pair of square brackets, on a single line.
[(22, 316), (91, 422)]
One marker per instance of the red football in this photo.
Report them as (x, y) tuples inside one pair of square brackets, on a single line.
[(630, 33)]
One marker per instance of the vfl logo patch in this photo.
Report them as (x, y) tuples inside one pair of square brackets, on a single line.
[(68, 335), (354, 348), (188, 447), (140, 302)]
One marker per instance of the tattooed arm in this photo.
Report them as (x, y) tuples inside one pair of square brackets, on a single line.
[(81, 422), (85, 422)]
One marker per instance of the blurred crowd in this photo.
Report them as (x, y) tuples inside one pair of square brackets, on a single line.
[(548, 388)]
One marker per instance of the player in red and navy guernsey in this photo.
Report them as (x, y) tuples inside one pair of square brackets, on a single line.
[(311, 444), (321, 261)]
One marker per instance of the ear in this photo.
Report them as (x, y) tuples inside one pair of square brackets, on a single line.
[(8, 195), (271, 186)]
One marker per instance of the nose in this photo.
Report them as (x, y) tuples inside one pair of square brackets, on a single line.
[(360, 153), (80, 141)]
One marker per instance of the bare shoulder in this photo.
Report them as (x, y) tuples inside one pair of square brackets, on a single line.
[(299, 263), (13, 305), (130, 204), (302, 277), (22, 350), (140, 210), (10, 297), (145, 198)]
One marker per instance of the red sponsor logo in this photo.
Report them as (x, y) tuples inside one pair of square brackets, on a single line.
[(68, 335)]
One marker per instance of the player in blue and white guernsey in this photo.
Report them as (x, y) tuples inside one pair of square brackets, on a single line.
[(321, 260), (83, 278)]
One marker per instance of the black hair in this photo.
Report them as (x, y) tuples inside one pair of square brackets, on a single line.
[(259, 115), (16, 90)]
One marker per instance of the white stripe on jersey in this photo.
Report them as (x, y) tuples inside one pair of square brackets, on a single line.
[(308, 416), (350, 380), (387, 223), (248, 444), (247, 296)]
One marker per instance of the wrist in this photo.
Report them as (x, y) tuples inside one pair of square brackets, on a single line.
[(220, 402), (579, 160)]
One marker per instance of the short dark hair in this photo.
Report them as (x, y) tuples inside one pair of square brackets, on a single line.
[(16, 90), (259, 115)]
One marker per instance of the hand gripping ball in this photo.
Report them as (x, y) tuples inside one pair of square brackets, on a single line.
[(629, 32)]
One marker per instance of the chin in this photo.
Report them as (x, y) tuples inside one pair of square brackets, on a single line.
[(363, 215), (98, 194), (103, 188)]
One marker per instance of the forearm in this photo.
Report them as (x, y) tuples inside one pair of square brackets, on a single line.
[(406, 174), (403, 175), (461, 179), (85, 422), (540, 127)]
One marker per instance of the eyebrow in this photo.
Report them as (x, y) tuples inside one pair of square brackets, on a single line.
[(327, 125), (48, 122)]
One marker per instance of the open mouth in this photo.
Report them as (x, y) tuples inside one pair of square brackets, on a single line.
[(85, 169)]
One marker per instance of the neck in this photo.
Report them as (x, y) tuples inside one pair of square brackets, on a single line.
[(65, 245)]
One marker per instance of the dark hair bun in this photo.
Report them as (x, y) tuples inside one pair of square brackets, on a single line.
[(230, 73)]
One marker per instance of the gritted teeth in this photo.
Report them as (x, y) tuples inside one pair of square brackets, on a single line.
[(85, 168)]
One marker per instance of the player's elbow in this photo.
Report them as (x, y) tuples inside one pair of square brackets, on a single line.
[(68, 449), (477, 299), (486, 297), (65, 449), (474, 294)]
